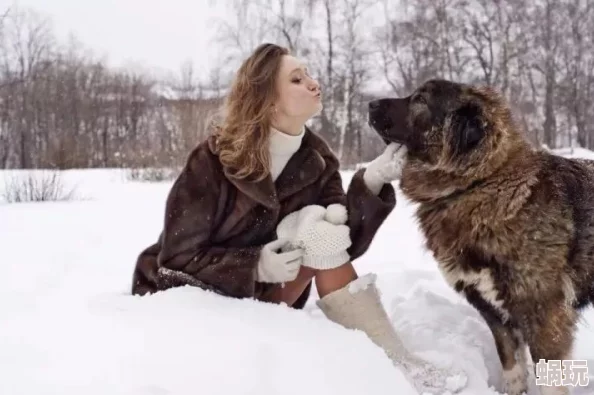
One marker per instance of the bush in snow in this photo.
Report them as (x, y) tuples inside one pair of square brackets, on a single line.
[(36, 186), (152, 174)]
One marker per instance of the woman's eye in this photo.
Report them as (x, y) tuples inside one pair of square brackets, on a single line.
[(296, 80)]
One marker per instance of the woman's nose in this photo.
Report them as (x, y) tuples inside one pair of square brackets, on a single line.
[(314, 85)]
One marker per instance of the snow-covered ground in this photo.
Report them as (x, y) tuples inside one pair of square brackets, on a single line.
[(68, 325)]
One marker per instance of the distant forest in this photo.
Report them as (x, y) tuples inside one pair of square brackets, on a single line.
[(62, 107)]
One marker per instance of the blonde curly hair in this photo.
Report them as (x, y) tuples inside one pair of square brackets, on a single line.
[(242, 134)]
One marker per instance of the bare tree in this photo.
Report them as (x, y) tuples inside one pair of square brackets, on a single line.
[(62, 107), (576, 67), (241, 34), (355, 58), (26, 45)]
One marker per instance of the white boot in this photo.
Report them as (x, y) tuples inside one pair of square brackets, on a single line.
[(358, 306)]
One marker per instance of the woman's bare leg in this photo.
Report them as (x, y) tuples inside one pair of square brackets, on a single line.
[(331, 280), (327, 281), (291, 291)]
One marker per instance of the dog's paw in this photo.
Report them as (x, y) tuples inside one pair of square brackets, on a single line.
[(515, 380)]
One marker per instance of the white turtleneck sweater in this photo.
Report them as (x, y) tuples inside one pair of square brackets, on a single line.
[(282, 146)]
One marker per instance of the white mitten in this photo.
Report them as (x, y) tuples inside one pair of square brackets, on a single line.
[(288, 226), (336, 214), (324, 243), (385, 168), (278, 267)]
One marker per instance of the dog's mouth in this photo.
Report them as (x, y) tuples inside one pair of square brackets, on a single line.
[(382, 130), (388, 118)]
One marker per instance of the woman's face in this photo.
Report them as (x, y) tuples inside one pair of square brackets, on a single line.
[(299, 95)]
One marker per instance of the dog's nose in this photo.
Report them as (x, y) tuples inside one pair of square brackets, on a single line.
[(374, 104)]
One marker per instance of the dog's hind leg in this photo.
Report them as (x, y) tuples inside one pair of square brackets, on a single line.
[(550, 336)]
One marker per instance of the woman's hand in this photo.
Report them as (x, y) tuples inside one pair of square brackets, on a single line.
[(321, 233), (275, 266), (385, 168)]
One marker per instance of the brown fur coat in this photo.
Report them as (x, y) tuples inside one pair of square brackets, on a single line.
[(215, 226)]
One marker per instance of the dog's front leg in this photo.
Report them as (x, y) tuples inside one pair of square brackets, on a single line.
[(509, 343)]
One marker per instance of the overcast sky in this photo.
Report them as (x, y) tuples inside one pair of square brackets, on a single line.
[(150, 33)]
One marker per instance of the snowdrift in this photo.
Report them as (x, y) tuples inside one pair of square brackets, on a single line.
[(69, 326)]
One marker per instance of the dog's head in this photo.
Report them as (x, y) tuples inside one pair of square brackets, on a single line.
[(445, 125)]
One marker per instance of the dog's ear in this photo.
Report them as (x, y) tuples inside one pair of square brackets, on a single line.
[(467, 128)]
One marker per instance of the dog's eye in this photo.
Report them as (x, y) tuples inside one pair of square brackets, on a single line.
[(419, 99)]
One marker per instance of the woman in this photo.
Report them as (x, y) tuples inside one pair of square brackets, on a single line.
[(259, 166)]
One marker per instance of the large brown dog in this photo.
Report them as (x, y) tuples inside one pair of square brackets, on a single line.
[(511, 227)]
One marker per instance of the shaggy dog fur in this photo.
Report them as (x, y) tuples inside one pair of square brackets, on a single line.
[(511, 227)]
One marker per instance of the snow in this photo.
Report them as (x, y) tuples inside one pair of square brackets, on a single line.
[(575, 152), (69, 326), (362, 283)]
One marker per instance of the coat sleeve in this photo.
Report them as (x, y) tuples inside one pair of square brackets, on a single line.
[(187, 255), (366, 211)]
